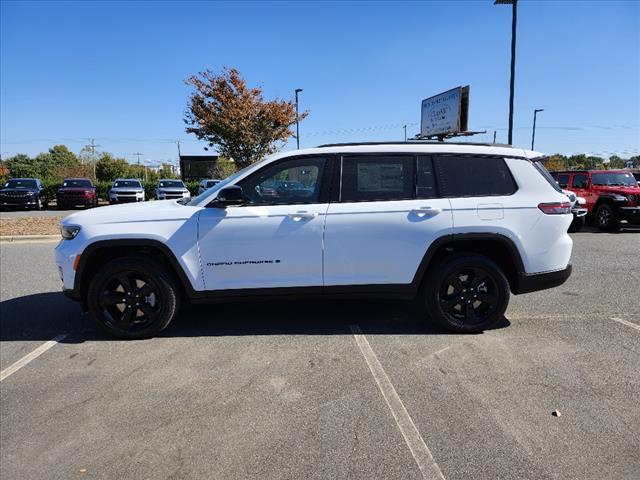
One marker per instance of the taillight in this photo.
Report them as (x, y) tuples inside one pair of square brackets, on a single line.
[(555, 208)]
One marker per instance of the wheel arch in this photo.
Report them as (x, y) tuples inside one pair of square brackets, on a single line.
[(103, 251), (499, 248)]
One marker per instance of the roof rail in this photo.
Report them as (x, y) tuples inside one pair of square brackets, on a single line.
[(414, 142)]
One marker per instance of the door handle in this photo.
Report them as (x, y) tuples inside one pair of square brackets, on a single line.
[(424, 211), (302, 215)]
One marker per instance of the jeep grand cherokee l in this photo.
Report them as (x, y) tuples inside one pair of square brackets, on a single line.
[(22, 192), (76, 191), (456, 226), (126, 190)]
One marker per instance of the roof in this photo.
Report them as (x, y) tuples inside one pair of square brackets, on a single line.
[(415, 142)]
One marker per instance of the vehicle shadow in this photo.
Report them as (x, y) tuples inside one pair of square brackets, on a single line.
[(624, 228), (43, 316)]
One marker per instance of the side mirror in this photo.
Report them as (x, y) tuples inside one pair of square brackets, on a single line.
[(229, 196)]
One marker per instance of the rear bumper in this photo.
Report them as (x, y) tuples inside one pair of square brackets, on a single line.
[(541, 281)]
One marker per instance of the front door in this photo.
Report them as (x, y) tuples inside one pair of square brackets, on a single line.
[(275, 238)]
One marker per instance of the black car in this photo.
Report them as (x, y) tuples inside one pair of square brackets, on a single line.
[(22, 193)]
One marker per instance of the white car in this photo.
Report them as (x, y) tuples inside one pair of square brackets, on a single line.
[(126, 190), (457, 226), (578, 209), (171, 189)]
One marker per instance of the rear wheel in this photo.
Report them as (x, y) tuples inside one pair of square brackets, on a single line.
[(133, 298), (466, 293), (606, 218)]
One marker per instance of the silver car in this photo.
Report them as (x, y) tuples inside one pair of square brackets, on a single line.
[(171, 189), (126, 190)]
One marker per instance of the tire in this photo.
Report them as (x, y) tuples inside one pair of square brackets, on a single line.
[(470, 278), (606, 218), (124, 279), (60, 206), (38, 204), (576, 225)]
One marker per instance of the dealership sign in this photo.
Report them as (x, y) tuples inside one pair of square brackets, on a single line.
[(446, 113)]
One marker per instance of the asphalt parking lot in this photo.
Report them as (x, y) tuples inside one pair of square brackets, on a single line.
[(327, 389)]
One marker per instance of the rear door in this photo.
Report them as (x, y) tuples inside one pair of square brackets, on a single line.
[(580, 186), (384, 214), (480, 189)]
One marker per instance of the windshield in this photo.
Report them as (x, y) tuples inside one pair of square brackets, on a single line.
[(614, 178), (77, 183), (221, 184), (20, 184), (126, 184), (171, 184)]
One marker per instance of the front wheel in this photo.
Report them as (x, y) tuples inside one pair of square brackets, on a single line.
[(466, 293), (132, 298), (606, 218)]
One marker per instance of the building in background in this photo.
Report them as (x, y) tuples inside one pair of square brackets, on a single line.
[(196, 167)]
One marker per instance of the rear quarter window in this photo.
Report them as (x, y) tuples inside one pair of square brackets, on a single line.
[(470, 176)]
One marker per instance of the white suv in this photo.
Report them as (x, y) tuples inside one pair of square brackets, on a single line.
[(457, 226)]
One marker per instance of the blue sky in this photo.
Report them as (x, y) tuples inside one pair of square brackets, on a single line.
[(115, 71)]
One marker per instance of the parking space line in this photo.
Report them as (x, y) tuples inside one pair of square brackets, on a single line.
[(10, 370), (421, 453), (625, 322)]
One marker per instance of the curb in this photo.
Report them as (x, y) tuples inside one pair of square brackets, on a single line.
[(29, 238)]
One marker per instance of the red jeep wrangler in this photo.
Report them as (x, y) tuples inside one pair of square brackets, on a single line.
[(611, 195)]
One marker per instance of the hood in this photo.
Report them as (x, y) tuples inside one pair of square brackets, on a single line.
[(172, 189), (127, 189), (25, 189), (622, 190), (132, 212), (74, 189)]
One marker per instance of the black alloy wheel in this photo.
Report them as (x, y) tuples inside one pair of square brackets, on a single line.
[(606, 218), (133, 298), (466, 293)]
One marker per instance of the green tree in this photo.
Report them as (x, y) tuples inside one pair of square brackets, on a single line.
[(22, 165), (236, 119), (108, 168), (224, 167)]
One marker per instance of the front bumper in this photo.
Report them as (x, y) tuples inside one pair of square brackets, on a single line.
[(18, 202), (541, 281), (578, 212), (125, 199), (630, 213), (76, 200)]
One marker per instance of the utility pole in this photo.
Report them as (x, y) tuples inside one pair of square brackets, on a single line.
[(514, 21), (494, 136), (533, 134), (138, 155), (92, 146), (405, 133), (298, 90)]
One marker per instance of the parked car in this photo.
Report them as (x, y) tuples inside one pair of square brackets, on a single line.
[(611, 195), (578, 209), (636, 175), (126, 190), (455, 227), (76, 191), (171, 189), (22, 193), (206, 184)]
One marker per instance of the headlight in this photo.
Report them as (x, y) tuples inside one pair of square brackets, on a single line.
[(69, 232)]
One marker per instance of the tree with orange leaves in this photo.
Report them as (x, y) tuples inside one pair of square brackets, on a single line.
[(236, 119)]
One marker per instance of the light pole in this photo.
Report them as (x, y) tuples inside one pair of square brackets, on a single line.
[(533, 134), (405, 132), (298, 90), (514, 19)]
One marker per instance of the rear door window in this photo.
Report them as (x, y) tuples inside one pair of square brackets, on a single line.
[(369, 178), (470, 176), (580, 180)]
